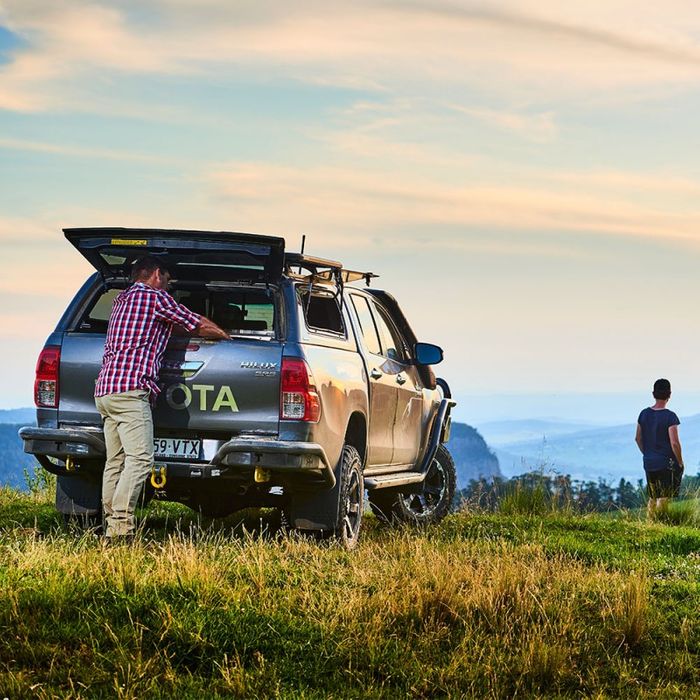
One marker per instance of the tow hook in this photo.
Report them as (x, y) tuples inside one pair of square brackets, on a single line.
[(158, 476), (262, 475)]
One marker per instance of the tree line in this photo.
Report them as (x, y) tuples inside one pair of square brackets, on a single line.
[(561, 490)]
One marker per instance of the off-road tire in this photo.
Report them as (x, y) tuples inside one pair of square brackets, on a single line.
[(351, 498), (427, 506)]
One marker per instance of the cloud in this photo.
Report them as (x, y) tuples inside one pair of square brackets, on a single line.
[(80, 151), (343, 201), (536, 127), (562, 31), (74, 51)]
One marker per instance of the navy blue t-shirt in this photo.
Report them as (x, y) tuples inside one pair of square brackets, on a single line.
[(655, 439)]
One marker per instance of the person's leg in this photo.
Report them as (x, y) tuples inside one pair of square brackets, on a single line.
[(114, 463), (135, 427), (651, 495)]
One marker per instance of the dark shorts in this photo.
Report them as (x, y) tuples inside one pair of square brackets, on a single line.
[(665, 483)]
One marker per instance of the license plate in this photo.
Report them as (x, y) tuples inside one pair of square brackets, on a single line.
[(176, 447)]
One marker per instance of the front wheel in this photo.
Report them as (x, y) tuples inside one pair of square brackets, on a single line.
[(425, 506)]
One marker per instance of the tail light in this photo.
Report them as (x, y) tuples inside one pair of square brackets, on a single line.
[(299, 399), (46, 381)]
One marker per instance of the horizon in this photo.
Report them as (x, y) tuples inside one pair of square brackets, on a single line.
[(622, 408), (511, 191)]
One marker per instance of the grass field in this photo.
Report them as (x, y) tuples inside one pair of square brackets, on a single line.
[(482, 606)]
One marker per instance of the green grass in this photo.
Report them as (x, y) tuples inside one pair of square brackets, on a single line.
[(557, 605)]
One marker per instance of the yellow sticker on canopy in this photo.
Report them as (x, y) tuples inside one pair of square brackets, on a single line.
[(128, 241)]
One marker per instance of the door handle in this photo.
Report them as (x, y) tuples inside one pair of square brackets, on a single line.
[(400, 379), (375, 374)]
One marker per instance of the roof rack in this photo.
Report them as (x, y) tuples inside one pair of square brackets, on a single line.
[(321, 270)]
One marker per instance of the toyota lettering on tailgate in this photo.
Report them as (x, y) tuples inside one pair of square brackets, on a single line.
[(204, 397)]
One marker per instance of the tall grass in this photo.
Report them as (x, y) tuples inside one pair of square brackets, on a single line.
[(455, 611), (532, 497), (679, 512)]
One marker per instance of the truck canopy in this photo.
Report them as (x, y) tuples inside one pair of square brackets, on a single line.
[(189, 255)]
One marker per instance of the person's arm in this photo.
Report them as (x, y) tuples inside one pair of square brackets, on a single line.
[(209, 329), (638, 439), (675, 443), (168, 310)]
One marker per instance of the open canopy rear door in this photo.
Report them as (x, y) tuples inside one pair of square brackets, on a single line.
[(189, 255)]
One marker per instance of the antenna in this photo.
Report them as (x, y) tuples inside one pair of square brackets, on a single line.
[(303, 245)]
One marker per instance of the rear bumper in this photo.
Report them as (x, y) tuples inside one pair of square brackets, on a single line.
[(276, 455), (231, 458), (63, 442)]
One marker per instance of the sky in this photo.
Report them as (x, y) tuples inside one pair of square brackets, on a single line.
[(524, 176)]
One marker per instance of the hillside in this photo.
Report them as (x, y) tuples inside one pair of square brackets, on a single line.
[(482, 606), (13, 459), (472, 455)]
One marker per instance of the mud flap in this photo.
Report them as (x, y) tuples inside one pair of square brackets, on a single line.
[(314, 510), (77, 495)]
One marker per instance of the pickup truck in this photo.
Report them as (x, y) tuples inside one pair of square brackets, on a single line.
[(322, 392)]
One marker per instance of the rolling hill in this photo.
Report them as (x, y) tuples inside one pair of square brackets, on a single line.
[(609, 453)]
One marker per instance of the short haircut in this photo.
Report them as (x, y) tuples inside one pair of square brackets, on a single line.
[(662, 389), (145, 266)]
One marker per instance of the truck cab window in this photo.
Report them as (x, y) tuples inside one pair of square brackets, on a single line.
[(322, 312), (369, 330)]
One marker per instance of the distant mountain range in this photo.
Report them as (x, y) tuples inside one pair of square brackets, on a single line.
[(472, 456), (13, 459), (25, 416), (585, 453), (509, 431)]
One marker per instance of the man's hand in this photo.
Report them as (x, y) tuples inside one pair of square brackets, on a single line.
[(209, 329)]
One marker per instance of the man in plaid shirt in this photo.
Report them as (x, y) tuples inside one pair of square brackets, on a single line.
[(140, 325)]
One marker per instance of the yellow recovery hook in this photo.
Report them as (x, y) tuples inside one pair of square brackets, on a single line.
[(158, 476)]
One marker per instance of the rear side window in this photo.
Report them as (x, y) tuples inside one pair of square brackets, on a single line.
[(322, 312), (369, 330), (238, 311)]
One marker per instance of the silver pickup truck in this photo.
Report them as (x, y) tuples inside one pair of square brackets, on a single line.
[(321, 393)]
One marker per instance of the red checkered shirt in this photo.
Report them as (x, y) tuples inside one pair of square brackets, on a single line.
[(139, 329)]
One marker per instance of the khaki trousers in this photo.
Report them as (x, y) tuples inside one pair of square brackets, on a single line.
[(128, 429)]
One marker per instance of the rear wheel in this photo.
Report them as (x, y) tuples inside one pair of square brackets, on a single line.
[(428, 505), (351, 500)]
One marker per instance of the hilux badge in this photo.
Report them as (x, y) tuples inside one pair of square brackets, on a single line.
[(247, 364)]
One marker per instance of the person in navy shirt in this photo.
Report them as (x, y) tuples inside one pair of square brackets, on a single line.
[(657, 438)]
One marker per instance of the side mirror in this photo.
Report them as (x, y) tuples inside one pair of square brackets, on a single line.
[(427, 354)]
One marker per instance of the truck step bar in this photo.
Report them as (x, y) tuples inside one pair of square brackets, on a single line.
[(437, 434), (393, 480)]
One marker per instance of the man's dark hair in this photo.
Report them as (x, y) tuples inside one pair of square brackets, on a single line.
[(662, 389), (145, 266)]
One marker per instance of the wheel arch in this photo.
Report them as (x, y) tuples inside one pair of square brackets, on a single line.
[(356, 434)]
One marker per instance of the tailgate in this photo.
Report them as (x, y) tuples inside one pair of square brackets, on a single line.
[(195, 255), (229, 387)]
